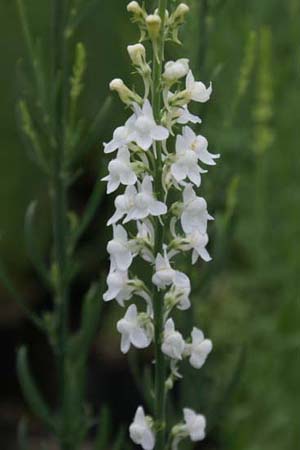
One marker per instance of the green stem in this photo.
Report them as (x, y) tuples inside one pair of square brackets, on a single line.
[(60, 206), (160, 363)]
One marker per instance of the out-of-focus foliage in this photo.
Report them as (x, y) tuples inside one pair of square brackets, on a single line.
[(247, 299)]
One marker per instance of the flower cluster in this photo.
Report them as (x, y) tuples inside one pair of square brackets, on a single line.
[(183, 223)]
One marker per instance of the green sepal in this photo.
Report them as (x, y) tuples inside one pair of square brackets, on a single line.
[(30, 390)]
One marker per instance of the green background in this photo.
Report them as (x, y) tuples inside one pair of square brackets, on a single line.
[(247, 299)]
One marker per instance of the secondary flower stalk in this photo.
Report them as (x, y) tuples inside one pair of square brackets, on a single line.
[(151, 166)]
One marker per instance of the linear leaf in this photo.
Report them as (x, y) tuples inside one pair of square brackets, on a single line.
[(30, 390), (30, 239)]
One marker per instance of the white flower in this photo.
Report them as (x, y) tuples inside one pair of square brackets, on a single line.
[(118, 287), (173, 343), (137, 205), (174, 70), (120, 138), (132, 331), (144, 129), (194, 216), (184, 116), (124, 204), (198, 242), (197, 90), (198, 144), (182, 289), (144, 203), (140, 430), (120, 171), (164, 274), (199, 349), (119, 249), (195, 424), (186, 164), (144, 241)]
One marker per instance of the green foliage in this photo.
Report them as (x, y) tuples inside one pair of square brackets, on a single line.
[(247, 298), (31, 391)]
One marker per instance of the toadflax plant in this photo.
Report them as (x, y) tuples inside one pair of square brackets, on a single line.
[(158, 157)]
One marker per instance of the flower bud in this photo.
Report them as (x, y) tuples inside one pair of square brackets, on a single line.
[(134, 8), (180, 12), (137, 54), (126, 95), (174, 70), (153, 22)]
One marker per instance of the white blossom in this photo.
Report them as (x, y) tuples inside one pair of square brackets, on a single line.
[(145, 203), (194, 216), (140, 430), (119, 249), (182, 289), (195, 424), (186, 164), (137, 205), (184, 116), (121, 137), (144, 130), (133, 330), (174, 70), (164, 274), (173, 343), (189, 141), (124, 203), (197, 90), (198, 242), (199, 349), (118, 287), (120, 171), (144, 240)]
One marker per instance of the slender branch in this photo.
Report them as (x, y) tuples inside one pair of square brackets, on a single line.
[(160, 365), (60, 201)]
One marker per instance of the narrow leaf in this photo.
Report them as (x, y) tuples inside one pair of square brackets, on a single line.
[(30, 239), (120, 439), (94, 130), (30, 390), (23, 435), (90, 211), (90, 315), (104, 429)]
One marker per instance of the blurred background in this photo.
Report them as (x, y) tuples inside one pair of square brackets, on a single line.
[(247, 299)]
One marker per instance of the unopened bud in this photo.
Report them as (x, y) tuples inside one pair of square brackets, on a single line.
[(126, 95), (153, 22), (134, 8), (180, 12), (137, 54)]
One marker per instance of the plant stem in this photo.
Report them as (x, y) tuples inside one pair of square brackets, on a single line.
[(60, 203), (160, 364)]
